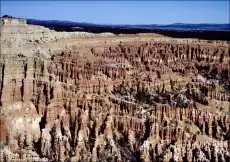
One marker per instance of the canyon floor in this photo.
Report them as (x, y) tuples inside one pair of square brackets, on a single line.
[(79, 97)]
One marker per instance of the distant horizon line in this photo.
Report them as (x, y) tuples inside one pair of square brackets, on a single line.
[(117, 23)]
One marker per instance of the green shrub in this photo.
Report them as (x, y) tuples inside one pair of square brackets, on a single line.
[(2, 144)]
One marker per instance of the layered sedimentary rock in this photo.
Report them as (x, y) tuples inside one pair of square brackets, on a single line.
[(160, 99)]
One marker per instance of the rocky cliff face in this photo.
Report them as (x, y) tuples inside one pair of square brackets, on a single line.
[(154, 100)]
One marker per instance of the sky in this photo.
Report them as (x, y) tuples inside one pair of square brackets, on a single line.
[(121, 12)]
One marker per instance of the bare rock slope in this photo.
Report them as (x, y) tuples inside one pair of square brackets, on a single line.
[(85, 97)]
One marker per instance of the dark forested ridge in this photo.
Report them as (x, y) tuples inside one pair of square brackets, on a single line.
[(177, 30)]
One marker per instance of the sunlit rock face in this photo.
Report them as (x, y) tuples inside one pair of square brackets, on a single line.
[(139, 99)]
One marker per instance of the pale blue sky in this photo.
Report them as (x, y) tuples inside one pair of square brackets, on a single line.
[(121, 12)]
